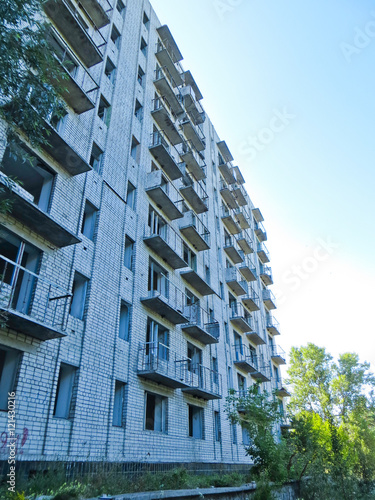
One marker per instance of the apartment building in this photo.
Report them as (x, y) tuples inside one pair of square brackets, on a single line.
[(134, 274)]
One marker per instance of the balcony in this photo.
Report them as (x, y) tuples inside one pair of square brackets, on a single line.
[(72, 27), (240, 318), (194, 193), (277, 354), (190, 81), (263, 254), (164, 195), (229, 221), (164, 83), (200, 325), (168, 54), (245, 359), (234, 280), (164, 116), (272, 325), (240, 195), (193, 160), (232, 250), (194, 134), (167, 301), (247, 270), (195, 231), (242, 218), (197, 282), (165, 155), (97, 13), (251, 300), (224, 151), (255, 338), (265, 274), (167, 244), (28, 213), (226, 171), (227, 194), (245, 242), (204, 382), (264, 372), (257, 215), (269, 299), (192, 106), (260, 231), (32, 305), (158, 363), (280, 390), (238, 175)]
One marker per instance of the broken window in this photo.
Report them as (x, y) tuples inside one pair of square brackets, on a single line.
[(156, 413)]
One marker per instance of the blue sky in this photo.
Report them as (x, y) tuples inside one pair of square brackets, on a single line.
[(290, 86)]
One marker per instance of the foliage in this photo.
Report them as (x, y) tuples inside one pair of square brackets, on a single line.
[(30, 76)]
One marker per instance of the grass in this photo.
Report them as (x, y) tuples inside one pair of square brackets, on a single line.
[(54, 483)]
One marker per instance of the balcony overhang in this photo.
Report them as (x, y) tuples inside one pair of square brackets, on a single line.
[(199, 333), (163, 119), (226, 172), (266, 278), (160, 305), (189, 80), (250, 303), (248, 273), (166, 36), (245, 245), (193, 236), (236, 286), (242, 220), (273, 329), (257, 215), (269, 303), (224, 151), (233, 254), (246, 364), (238, 175), (200, 392), (164, 87), (193, 165), (228, 197), (162, 201), (35, 219), (192, 135), (166, 161), (263, 257), (278, 359), (239, 196), (260, 234), (231, 224), (191, 196), (29, 326), (198, 283), (241, 324), (162, 378), (198, 116), (261, 376), (74, 95), (255, 338), (98, 15), (67, 23), (283, 393), (164, 251)]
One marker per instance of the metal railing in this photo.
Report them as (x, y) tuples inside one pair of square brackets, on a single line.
[(237, 310), (242, 353), (155, 180), (163, 72), (251, 294), (26, 292), (159, 138), (188, 91), (159, 358), (245, 235), (186, 146), (162, 102), (244, 211), (262, 248), (166, 45), (276, 351), (268, 295), (202, 377), (266, 270), (232, 274), (272, 322), (202, 318), (191, 219), (168, 292), (258, 226), (189, 180), (168, 234)]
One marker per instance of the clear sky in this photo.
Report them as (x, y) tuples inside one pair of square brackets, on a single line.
[(290, 86)]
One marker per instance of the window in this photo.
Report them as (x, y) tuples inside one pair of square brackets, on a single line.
[(194, 355), (157, 279), (196, 422), (229, 378), (79, 291), (124, 321), (104, 111), (135, 150), (146, 20), (241, 383), (119, 404), (140, 76), (189, 257), (89, 220), (234, 433), (217, 426), (96, 157), (120, 7), (156, 223), (157, 341), (64, 392), (207, 274), (130, 196), (138, 110), (9, 362), (156, 413), (221, 286), (226, 333), (128, 252), (215, 370), (115, 36), (143, 46), (245, 437), (110, 70)]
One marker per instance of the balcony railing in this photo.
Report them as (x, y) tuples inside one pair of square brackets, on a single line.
[(263, 373), (98, 11), (243, 218), (239, 177), (193, 159), (31, 304), (158, 363), (167, 244), (164, 194), (165, 117), (269, 299), (199, 283), (194, 193), (277, 354), (235, 282), (247, 269), (257, 215), (229, 220), (167, 300), (265, 274), (240, 195), (227, 193), (272, 325), (260, 231), (195, 231), (194, 133), (240, 318), (201, 325), (245, 358), (245, 242), (166, 155), (233, 250), (226, 171), (279, 388), (165, 84), (263, 253), (204, 382), (192, 106), (251, 300)]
